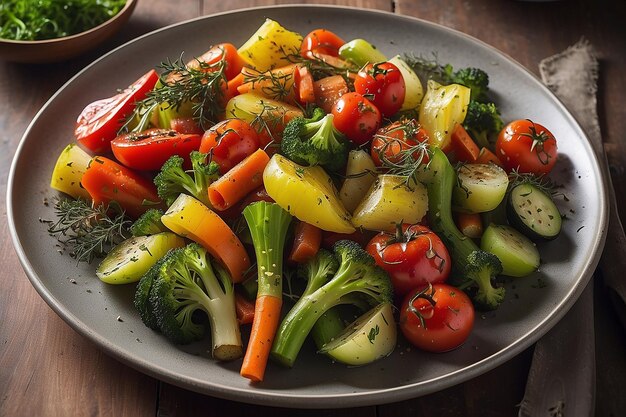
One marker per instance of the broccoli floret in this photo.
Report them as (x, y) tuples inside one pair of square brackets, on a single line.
[(482, 267), (174, 180), (315, 141), (186, 283), (482, 121), (148, 224), (142, 296), (350, 278), (475, 79)]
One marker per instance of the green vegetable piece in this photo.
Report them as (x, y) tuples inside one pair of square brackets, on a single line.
[(132, 258), (361, 52), (174, 180), (369, 338), (474, 267), (315, 141), (187, 285), (349, 276), (148, 223), (518, 254), (483, 122), (532, 212)]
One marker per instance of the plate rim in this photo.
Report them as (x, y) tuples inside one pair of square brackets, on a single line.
[(278, 398)]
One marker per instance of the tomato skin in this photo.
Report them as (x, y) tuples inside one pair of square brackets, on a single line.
[(148, 150), (185, 125), (409, 260), (230, 142), (399, 136), (233, 63), (99, 122), (356, 117), (526, 146), (447, 324), (321, 41), (383, 84), (105, 180)]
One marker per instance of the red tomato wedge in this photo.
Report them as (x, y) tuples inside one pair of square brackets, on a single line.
[(99, 122), (106, 181), (230, 142), (148, 150)]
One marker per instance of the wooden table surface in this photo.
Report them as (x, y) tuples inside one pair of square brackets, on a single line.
[(46, 369)]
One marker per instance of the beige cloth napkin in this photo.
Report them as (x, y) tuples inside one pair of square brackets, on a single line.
[(561, 380)]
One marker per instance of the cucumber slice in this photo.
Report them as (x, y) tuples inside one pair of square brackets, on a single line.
[(518, 254), (370, 337), (128, 261), (479, 187), (532, 212)]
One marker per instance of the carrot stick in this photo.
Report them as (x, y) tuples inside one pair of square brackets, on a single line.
[(304, 86), (266, 320), (328, 91), (485, 156), (470, 224), (307, 241), (244, 309), (238, 181), (234, 84), (463, 146)]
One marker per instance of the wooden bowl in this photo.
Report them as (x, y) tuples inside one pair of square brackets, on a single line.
[(59, 49)]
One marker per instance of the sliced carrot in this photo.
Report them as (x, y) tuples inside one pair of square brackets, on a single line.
[(234, 84), (470, 224), (190, 218), (305, 93), (239, 181), (329, 90), (485, 156), (307, 241), (464, 148), (267, 318), (333, 61), (244, 309)]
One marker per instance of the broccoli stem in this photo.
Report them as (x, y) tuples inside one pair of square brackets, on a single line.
[(268, 224)]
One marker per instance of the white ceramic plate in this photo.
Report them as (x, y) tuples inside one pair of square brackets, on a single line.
[(92, 307)]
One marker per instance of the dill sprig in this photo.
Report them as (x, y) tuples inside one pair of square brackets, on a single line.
[(274, 84), (429, 68), (320, 68), (86, 231), (407, 159), (202, 85), (542, 182)]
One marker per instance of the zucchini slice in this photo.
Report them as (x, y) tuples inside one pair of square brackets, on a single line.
[(532, 211), (131, 259), (479, 187), (518, 254)]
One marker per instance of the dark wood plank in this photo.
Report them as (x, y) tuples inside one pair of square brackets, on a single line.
[(211, 6), (47, 369)]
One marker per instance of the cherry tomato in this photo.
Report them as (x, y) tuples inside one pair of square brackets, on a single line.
[(106, 181), (233, 63), (185, 125), (321, 41), (437, 318), (413, 257), (383, 84), (356, 117), (99, 122), (230, 142), (148, 150), (399, 137), (526, 146)]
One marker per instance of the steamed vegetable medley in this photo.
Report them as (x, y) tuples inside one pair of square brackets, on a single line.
[(312, 188)]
